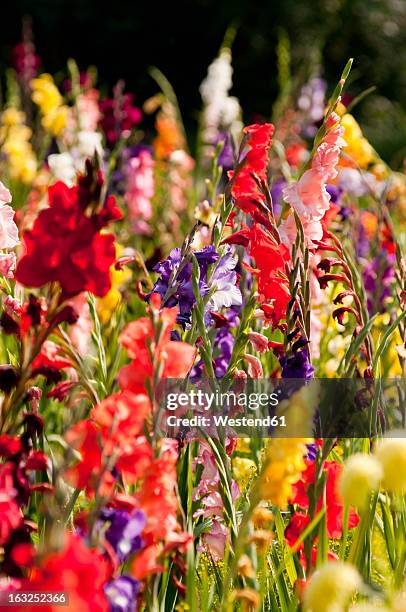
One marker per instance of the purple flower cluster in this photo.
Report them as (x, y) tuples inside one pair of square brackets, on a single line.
[(312, 102), (223, 345), (223, 281), (379, 275), (297, 365), (122, 593), (226, 157), (124, 531)]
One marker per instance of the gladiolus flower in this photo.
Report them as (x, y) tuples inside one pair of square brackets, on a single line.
[(334, 501), (65, 244), (176, 357), (284, 464), (8, 229), (245, 188), (79, 571), (10, 515), (258, 341)]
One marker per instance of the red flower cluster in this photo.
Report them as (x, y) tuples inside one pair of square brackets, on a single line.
[(157, 499), (119, 115), (65, 244), (76, 570), (115, 433), (271, 259), (262, 239), (175, 358), (245, 189), (114, 441), (334, 502), (16, 487)]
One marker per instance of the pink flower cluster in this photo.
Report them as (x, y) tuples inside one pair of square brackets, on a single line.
[(208, 493), (140, 190), (308, 196), (8, 233)]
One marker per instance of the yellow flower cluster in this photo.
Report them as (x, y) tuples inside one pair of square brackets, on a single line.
[(284, 464), (358, 147), (15, 144), (284, 458), (390, 364), (108, 304), (46, 95), (243, 469)]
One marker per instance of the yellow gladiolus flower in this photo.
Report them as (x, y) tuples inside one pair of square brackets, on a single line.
[(108, 304), (243, 469), (55, 121), (46, 95), (283, 467), (15, 144), (358, 147)]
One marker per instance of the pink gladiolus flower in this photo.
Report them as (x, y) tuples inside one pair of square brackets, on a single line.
[(7, 264), (215, 540), (258, 341), (254, 366), (88, 109), (8, 229), (80, 332), (140, 190), (308, 196)]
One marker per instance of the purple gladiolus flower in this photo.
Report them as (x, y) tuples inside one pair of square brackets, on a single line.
[(379, 275), (276, 194), (223, 281), (335, 193), (312, 450), (124, 531), (226, 157), (297, 365), (122, 593)]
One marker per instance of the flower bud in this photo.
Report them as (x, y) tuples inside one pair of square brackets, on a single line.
[(258, 341)]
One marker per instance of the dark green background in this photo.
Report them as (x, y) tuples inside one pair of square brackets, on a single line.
[(125, 37)]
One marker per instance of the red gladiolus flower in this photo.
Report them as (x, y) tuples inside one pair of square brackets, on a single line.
[(9, 445), (10, 516), (65, 244), (22, 554), (271, 259), (245, 189), (293, 531), (157, 499), (85, 437), (175, 358), (119, 115), (115, 430), (334, 502), (79, 571), (49, 357), (297, 524)]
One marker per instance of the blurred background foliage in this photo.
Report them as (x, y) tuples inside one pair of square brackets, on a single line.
[(181, 37)]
